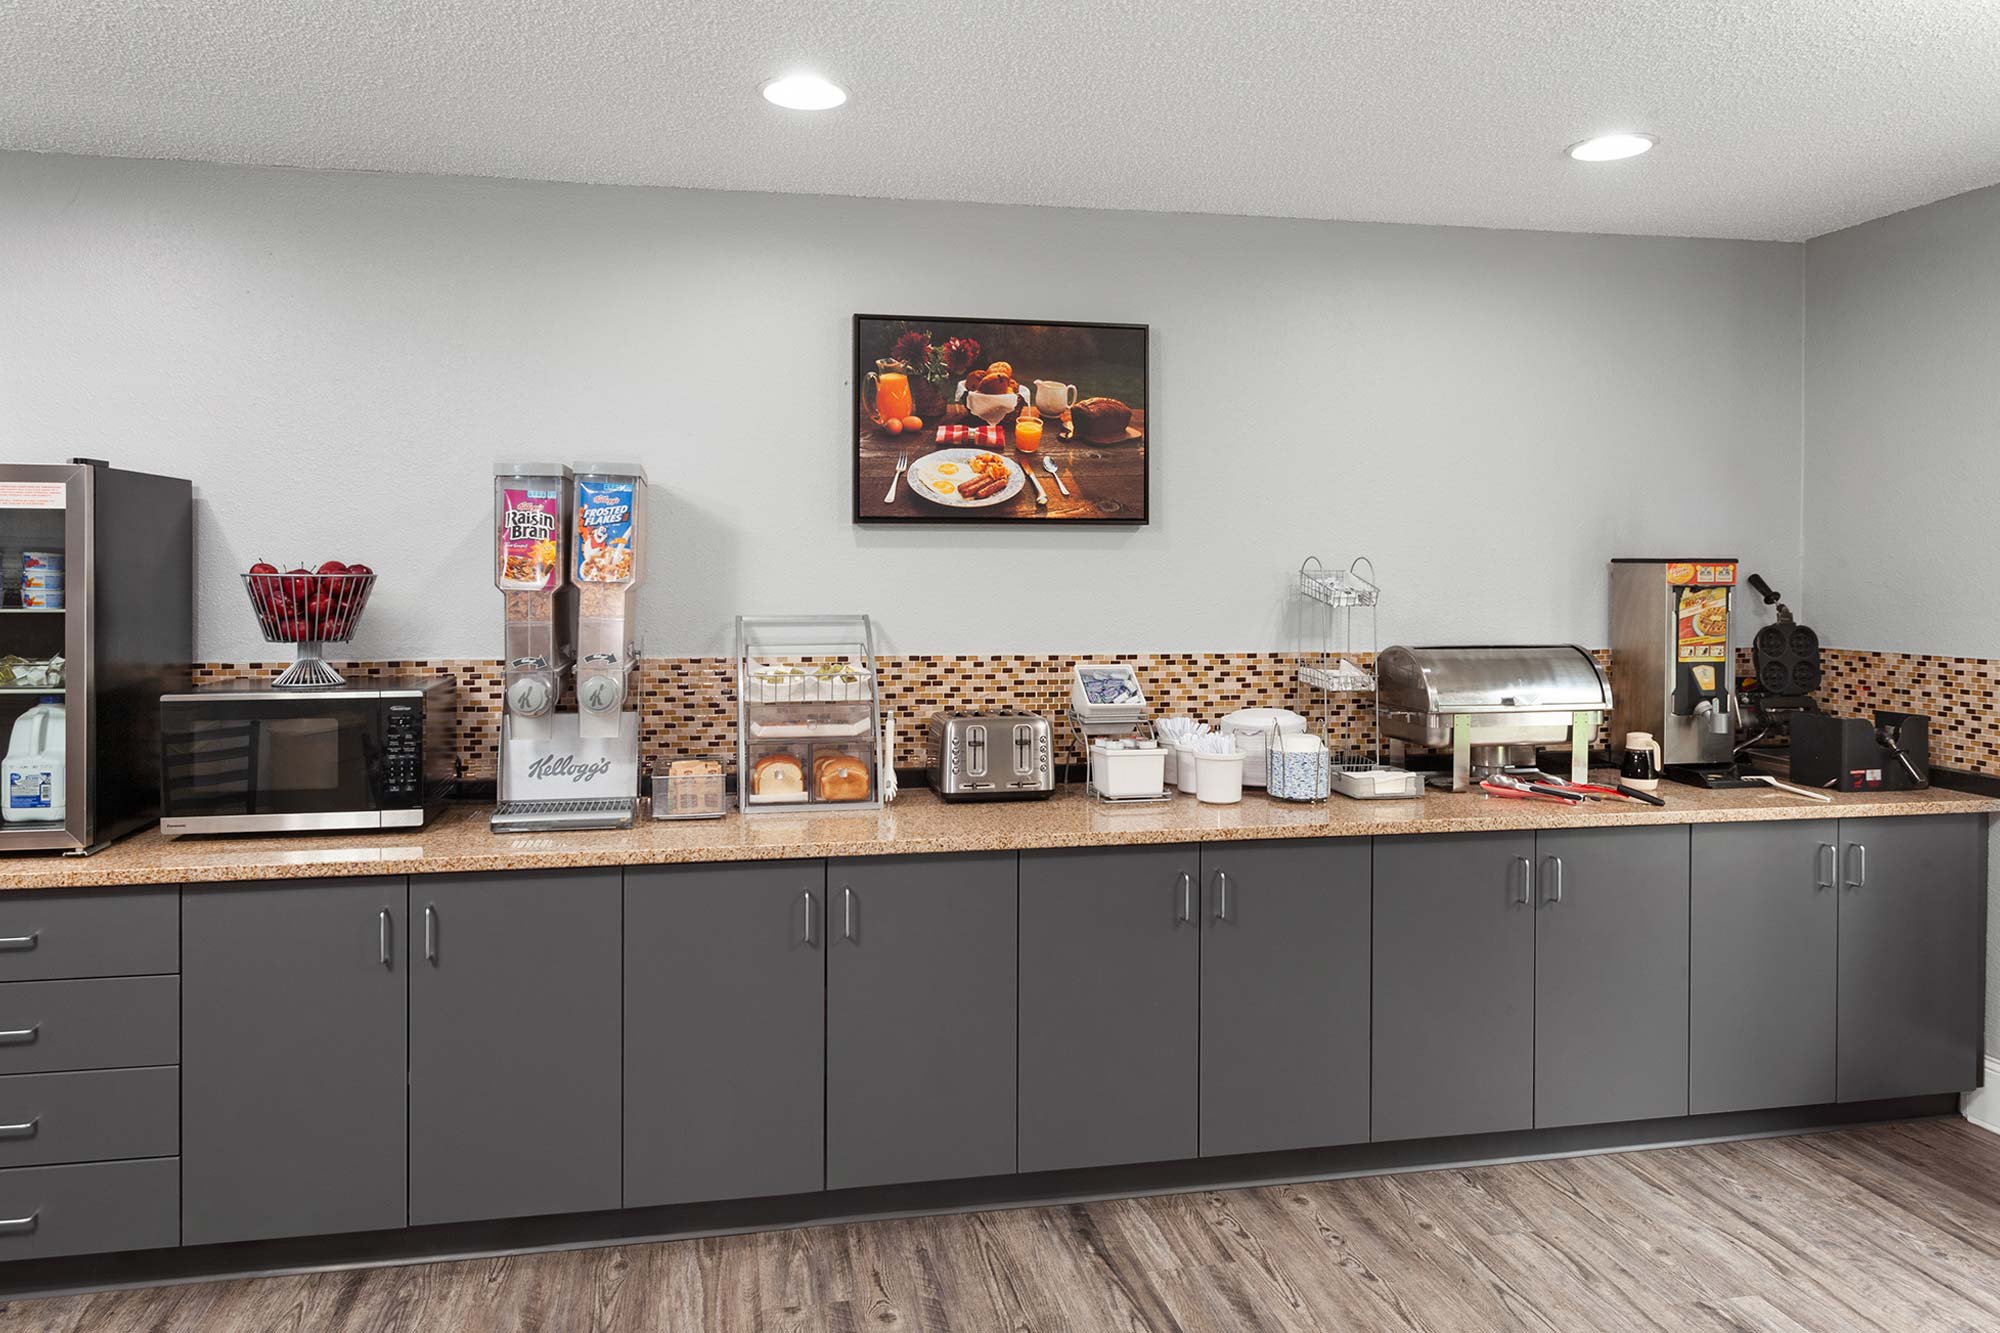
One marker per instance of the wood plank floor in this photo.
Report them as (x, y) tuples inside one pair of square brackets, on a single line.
[(1894, 1227)]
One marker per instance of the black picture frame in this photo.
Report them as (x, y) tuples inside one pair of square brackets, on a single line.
[(941, 324)]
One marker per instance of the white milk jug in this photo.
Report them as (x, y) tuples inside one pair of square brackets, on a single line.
[(32, 777)]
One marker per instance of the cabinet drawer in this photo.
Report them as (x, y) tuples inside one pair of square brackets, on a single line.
[(109, 1023), (97, 1116), (47, 936), (89, 1209)]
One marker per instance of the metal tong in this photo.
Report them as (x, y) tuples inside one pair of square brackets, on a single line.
[(1592, 791), (1512, 788)]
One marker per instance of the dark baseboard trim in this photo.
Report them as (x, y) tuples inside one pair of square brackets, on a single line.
[(472, 1240)]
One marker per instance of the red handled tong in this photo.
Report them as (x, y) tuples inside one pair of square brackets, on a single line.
[(1522, 791)]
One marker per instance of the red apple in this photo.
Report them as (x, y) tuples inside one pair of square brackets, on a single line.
[(298, 584), (263, 567), (359, 570), (332, 567)]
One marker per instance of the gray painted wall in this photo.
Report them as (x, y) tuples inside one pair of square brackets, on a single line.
[(336, 359), (1902, 430), (1902, 446)]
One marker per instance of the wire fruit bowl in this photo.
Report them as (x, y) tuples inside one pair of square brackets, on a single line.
[(308, 611)]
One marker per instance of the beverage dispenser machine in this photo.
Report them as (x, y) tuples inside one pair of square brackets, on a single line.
[(1673, 672), (569, 550)]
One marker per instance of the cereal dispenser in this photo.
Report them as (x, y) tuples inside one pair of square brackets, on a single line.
[(530, 504), (568, 560), (610, 532)]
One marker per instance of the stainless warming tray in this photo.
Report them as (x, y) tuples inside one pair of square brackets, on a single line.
[(1480, 701)]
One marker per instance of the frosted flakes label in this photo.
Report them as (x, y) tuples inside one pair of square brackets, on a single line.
[(530, 551), (604, 531)]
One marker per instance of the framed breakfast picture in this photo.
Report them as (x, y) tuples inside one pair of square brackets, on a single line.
[(999, 421)]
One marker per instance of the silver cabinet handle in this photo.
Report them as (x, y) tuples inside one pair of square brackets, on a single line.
[(1221, 895), (1857, 861), (1187, 898), (847, 913), (382, 934), (1526, 881), (808, 896), (16, 1036), (21, 942), (430, 932), (26, 1130), (14, 1226), (1823, 866), (1556, 880)]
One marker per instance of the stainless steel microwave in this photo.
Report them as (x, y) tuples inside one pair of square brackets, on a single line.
[(243, 757)]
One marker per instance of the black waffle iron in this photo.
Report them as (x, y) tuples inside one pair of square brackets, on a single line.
[(1784, 672)]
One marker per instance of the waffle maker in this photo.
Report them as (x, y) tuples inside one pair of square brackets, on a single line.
[(1785, 669)]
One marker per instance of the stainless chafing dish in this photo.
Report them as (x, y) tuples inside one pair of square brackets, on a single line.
[(1482, 701)]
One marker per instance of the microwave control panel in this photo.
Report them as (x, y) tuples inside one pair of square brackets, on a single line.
[(403, 753)]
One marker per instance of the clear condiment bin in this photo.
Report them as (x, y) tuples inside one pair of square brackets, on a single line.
[(692, 788)]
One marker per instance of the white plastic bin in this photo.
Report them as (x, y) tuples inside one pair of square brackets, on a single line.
[(1124, 773)]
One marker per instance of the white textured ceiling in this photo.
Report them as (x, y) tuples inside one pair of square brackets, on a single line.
[(1777, 118)]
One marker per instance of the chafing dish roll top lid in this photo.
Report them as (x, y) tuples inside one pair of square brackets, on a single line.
[(1534, 694)]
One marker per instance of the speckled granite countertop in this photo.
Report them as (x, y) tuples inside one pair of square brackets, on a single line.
[(917, 822)]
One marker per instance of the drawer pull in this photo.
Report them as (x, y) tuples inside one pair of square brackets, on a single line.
[(20, 1036), (23, 1131), (15, 1226), (21, 943)]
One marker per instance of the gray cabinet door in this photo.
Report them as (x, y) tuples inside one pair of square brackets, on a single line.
[(1284, 995), (1764, 923), (1611, 975), (515, 1010), (1110, 1003), (292, 1059), (1454, 985), (920, 1018), (725, 1014), (1911, 954)]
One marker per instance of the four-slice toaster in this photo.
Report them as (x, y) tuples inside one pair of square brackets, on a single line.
[(991, 756)]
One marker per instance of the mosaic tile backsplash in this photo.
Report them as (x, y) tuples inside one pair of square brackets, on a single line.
[(688, 703)]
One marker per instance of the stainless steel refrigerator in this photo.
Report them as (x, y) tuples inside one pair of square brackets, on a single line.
[(122, 620)]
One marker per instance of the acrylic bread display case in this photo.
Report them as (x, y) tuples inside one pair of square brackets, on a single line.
[(808, 713)]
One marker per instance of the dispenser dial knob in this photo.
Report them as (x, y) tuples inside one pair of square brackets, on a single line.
[(601, 694), (530, 696)]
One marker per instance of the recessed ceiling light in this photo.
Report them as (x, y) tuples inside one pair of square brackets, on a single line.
[(804, 92), (1611, 147)]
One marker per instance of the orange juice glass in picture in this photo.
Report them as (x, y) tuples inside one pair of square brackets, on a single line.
[(1028, 434), (892, 395)]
